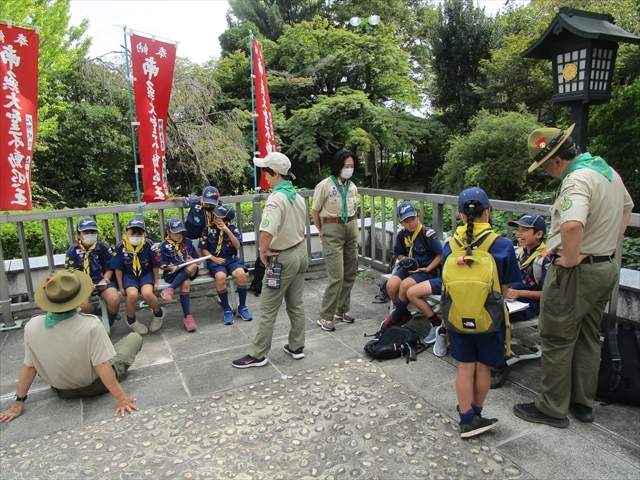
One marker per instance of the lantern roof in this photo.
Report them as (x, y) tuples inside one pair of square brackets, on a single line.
[(570, 22)]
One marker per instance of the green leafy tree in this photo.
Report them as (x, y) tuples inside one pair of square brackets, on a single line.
[(618, 141), (462, 37), (493, 156)]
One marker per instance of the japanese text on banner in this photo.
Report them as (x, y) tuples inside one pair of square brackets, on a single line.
[(18, 114), (153, 63)]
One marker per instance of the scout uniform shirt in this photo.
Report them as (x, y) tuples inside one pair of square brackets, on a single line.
[(196, 218), (169, 255), (328, 201), (590, 198), (122, 260), (423, 254), (98, 259), (284, 220), (210, 240)]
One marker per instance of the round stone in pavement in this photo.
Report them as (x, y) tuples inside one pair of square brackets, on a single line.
[(348, 420)]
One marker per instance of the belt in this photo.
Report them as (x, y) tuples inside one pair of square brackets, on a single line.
[(337, 220), (589, 258), (284, 250)]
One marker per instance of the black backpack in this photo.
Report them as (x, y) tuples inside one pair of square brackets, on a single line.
[(619, 376), (395, 342), (258, 275)]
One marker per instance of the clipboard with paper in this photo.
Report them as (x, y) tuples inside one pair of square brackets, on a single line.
[(191, 262)]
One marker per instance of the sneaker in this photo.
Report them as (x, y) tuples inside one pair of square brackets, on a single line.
[(346, 317), (190, 323), (249, 361), (167, 294), (326, 325), (581, 412), (245, 313), (440, 345), (431, 338), (477, 426), (298, 354), (499, 376), (228, 317), (138, 327), (390, 321), (156, 323)]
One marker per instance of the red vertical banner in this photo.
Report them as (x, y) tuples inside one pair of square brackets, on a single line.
[(266, 135), (152, 63), (18, 114)]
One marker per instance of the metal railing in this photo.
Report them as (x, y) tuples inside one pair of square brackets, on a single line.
[(374, 250)]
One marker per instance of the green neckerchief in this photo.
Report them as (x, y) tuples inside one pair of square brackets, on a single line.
[(480, 229), (286, 187), (587, 161), (344, 190), (52, 319)]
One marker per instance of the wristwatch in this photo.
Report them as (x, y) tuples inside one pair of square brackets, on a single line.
[(20, 399)]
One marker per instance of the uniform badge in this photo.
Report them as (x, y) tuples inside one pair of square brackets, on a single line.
[(79, 252), (334, 191), (265, 223), (567, 203)]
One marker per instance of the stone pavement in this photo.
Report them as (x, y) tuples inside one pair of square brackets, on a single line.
[(334, 414)]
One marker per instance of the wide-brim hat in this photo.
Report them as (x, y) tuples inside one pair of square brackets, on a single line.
[(63, 291), (544, 142)]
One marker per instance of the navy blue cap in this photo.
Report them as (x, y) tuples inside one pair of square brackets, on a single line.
[(175, 225), (409, 264), (210, 195), (136, 223), (225, 211), (531, 220), (473, 194), (406, 210), (86, 224)]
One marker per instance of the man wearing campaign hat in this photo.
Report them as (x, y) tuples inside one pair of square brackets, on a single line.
[(588, 219), (282, 232), (71, 351), (533, 261)]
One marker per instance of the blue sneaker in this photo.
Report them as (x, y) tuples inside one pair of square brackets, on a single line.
[(228, 317), (245, 313)]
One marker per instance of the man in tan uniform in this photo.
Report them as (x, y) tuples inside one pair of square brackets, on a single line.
[(588, 219), (281, 239), (71, 351), (334, 215)]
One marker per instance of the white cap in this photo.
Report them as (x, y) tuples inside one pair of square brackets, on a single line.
[(276, 161)]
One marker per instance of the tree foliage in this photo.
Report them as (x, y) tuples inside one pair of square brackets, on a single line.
[(462, 37), (493, 156)]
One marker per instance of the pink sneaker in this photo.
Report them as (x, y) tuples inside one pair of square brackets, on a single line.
[(190, 323), (167, 294)]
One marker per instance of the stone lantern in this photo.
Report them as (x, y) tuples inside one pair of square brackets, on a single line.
[(582, 47)]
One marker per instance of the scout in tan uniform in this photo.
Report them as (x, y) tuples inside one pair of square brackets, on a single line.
[(281, 239), (334, 215), (587, 221)]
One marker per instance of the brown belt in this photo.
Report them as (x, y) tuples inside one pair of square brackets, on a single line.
[(337, 220)]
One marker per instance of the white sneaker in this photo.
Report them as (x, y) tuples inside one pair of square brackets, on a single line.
[(431, 338), (156, 323), (440, 347), (138, 327)]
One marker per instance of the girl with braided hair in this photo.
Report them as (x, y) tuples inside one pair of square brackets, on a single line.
[(477, 353)]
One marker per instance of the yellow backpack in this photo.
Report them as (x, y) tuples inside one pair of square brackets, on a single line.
[(472, 299)]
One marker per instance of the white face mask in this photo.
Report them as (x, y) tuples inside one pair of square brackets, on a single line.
[(135, 240), (346, 173), (89, 239)]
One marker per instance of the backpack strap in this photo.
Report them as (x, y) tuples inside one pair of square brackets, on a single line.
[(484, 243), (616, 361)]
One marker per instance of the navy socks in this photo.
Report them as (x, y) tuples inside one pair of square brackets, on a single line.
[(184, 302), (180, 277)]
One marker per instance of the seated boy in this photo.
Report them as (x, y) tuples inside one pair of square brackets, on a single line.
[(533, 261), (93, 257), (136, 265), (418, 249), (200, 211), (174, 251), (222, 241)]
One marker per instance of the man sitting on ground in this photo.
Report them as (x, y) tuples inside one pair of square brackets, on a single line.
[(71, 351)]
